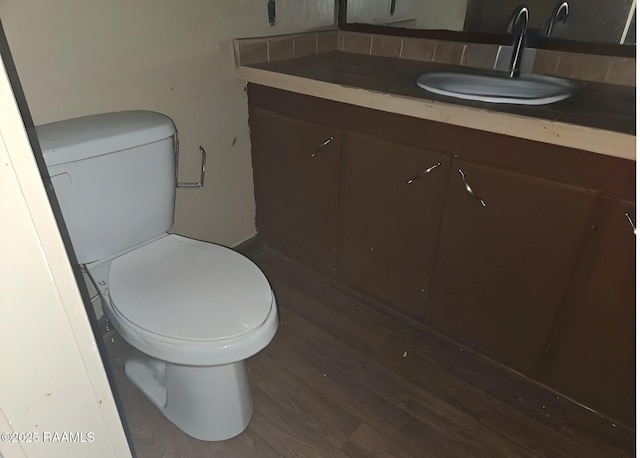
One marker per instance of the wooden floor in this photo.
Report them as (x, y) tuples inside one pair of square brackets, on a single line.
[(342, 378)]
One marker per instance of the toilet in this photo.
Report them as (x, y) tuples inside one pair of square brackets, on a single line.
[(194, 310)]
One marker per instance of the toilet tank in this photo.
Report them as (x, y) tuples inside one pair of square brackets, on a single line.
[(114, 178)]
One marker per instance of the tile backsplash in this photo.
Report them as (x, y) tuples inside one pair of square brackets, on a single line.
[(588, 67), (268, 49)]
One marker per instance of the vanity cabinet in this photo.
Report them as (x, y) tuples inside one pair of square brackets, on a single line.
[(507, 249), (296, 167), (390, 207), (522, 251), (591, 353)]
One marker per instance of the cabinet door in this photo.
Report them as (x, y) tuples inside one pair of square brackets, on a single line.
[(508, 246), (295, 166), (592, 353), (391, 204)]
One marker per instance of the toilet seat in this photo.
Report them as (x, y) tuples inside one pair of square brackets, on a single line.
[(191, 302)]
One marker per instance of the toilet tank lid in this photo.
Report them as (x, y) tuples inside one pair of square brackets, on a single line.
[(89, 136)]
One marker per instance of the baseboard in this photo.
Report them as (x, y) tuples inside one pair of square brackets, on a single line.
[(251, 246)]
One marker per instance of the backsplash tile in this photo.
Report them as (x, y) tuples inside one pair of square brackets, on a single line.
[(386, 45), (280, 48), (327, 41), (251, 51), (622, 71), (614, 70), (546, 62), (583, 66), (359, 43), (418, 49), (448, 52), (267, 49), (305, 44), (479, 55), (587, 67)]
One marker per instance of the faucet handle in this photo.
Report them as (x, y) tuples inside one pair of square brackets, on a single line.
[(560, 14)]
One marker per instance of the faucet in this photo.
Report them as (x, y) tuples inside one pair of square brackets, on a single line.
[(560, 13), (521, 18)]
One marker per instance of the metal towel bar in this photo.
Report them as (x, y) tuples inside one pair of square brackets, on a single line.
[(191, 185)]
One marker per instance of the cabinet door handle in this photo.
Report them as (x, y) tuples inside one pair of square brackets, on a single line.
[(321, 147), (424, 172), (469, 190), (631, 222)]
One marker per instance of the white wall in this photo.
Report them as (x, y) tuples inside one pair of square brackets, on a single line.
[(79, 57), (427, 14), (378, 11), (51, 375), (436, 14)]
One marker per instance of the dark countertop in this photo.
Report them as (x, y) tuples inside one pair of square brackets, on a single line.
[(595, 105)]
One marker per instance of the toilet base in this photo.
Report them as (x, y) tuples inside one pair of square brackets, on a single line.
[(210, 403)]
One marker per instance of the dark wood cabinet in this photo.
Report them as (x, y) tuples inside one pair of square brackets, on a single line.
[(390, 207), (508, 246), (591, 355), (296, 166)]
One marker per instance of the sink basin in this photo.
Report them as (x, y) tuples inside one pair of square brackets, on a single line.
[(524, 90)]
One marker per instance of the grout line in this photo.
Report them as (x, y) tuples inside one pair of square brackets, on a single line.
[(608, 72), (465, 50), (495, 61), (556, 68), (236, 52), (462, 55)]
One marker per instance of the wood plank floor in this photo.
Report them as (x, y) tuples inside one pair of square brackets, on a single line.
[(343, 377)]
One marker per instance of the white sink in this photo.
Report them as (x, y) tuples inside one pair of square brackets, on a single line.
[(523, 90)]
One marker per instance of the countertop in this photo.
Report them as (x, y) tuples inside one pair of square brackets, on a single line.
[(599, 117)]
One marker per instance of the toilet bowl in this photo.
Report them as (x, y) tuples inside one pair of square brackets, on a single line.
[(195, 311)]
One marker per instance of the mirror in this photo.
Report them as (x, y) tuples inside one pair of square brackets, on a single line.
[(608, 22)]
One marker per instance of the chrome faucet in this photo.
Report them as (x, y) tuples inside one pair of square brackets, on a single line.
[(560, 13), (520, 19)]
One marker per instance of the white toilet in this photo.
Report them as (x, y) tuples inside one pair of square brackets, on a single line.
[(195, 309)]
